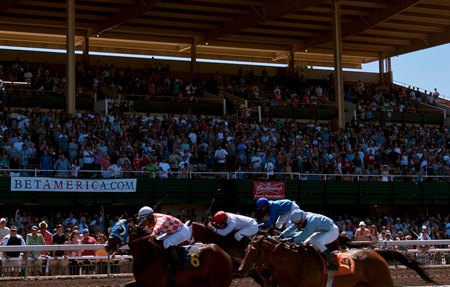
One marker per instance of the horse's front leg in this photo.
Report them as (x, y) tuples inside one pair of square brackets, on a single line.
[(262, 277)]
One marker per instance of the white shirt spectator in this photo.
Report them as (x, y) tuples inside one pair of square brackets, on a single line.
[(221, 155), (193, 137), (115, 170), (165, 169)]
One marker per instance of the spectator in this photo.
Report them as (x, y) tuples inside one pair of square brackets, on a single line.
[(185, 171), (362, 233), (72, 254), (374, 233), (87, 239), (58, 264), (101, 262), (11, 261), (220, 156), (164, 168), (46, 164), (34, 257), (45, 234), (4, 230), (62, 166)]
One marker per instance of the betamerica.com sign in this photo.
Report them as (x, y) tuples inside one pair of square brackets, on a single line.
[(72, 184)]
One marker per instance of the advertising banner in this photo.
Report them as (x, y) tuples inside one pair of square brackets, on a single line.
[(269, 189), (49, 184)]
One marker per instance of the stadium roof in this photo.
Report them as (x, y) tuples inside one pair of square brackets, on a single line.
[(243, 30)]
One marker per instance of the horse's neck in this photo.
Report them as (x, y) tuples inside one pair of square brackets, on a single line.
[(201, 233)]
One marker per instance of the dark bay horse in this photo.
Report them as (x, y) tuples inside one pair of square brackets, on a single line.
[(236, 249), (303, 266), (212, 268)]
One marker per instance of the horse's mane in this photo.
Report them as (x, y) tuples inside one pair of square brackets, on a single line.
[(208, 236), (290, 246), (138, 234)]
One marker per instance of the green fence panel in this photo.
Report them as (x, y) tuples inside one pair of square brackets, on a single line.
[(244, 190), (311, 192), (375, 192), (292, 188), (233, 194), (407, 193), (344, 192), (436, 192), (203, 191)]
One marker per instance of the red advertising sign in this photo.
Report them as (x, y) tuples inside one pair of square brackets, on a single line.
[(269, 189)]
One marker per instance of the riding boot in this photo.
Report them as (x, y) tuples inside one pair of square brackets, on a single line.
[(174, 260), (332, 266)]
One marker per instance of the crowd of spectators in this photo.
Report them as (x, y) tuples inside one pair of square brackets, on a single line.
[(158, 81), (128, 145), (93, 228)]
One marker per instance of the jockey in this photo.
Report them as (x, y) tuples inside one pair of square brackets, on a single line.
[(279, 211), (174, 232), (318, 230), (225, 222)]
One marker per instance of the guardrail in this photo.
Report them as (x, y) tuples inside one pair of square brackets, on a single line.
[(26, 265), (437, 254), (237, 174)]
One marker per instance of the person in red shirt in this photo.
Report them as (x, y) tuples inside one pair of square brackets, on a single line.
[(88, 266), (168, 228), (46, 234), (87, 239)]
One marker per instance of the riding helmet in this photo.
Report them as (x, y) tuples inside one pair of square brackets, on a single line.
[(261, 203), (144, 212), (297, 215), (220, 217)]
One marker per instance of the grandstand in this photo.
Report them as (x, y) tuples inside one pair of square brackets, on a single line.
[(292, 34)]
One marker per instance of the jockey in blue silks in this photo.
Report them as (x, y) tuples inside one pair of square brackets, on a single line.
[(278, 211), (317, 230)]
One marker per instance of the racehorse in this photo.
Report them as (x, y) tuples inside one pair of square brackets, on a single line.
[(303, 266), (236, 249), (209, 265)]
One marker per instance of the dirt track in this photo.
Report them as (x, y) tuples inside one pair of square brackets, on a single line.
[(402, 277)]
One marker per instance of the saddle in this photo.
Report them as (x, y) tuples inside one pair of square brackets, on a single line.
[(189, 256), (344, 261)]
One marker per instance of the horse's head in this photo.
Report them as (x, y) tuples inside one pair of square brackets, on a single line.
[(253, 253), (118, 236)]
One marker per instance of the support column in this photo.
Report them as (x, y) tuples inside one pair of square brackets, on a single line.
[(86, 52), (70, 44), (381, 70), (193, 57), (388, 64), (337, 45), (291, 63)]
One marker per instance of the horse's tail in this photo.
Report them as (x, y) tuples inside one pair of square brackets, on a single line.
[(391, 255)]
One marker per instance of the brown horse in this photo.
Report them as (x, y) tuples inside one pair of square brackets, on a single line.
[(303, 266), (209, 266), (236, 249)]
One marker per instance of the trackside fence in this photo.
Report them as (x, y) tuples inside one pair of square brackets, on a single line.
[(429, 252)]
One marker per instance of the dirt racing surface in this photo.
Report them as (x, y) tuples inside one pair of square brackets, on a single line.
[(402, 277)]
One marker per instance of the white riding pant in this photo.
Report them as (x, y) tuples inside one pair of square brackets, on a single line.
[(318, 240), (284, 219), (174, 239), (248, 231)]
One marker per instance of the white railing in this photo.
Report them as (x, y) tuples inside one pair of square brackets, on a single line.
[(226, 175), (87, 260), (432, 256)]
